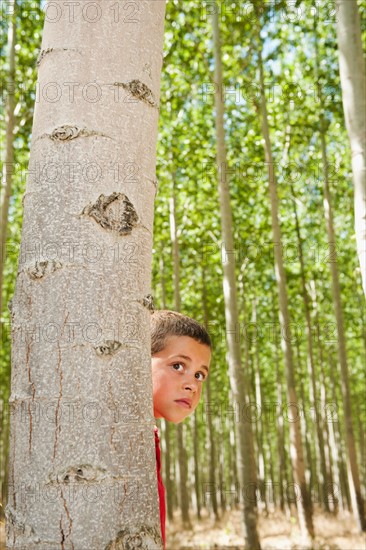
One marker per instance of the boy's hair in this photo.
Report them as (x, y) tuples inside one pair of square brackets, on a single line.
[(165, 323)]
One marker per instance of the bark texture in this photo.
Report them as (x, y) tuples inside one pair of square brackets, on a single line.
[(82, 457), (353, 83), (246, 465)]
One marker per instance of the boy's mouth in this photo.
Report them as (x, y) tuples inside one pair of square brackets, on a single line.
[(186, 403)]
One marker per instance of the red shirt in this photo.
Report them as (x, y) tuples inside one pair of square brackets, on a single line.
[(161, 488)]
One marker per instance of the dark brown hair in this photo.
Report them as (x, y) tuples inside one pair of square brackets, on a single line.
[(165, 323)]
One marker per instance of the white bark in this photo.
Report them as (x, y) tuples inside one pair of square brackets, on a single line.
[(239, 388), (304, 504), (353, 82), (82, 458), (8, 166)]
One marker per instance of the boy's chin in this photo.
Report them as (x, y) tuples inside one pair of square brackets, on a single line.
[(176, 420)]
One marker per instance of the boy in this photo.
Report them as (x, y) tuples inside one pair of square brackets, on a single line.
[(180, 359)]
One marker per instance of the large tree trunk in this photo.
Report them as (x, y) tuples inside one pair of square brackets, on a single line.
[(82, 458), (353, 83), (296, 452), (246, 465)]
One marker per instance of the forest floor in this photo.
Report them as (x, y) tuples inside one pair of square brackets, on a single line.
[(277, 532)]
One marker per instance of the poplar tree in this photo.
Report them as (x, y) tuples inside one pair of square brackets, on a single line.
[(353, 82), (82, 458), (239, 387)]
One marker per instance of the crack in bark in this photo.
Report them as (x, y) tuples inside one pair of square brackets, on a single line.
[(33, 395), (67, 132), (62, 535), (68, 517), (140, 91), (58, 427), (114, 212), (59, 370)]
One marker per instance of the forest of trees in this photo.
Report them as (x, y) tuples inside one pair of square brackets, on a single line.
[(259, 234)]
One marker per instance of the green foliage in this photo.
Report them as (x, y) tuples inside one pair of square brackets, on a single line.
[(187, 158)]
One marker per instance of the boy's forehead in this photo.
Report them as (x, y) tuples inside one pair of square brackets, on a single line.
[(184, 341), (186, 346)]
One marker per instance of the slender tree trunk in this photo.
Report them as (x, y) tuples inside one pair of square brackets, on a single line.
[(323, 478), (8, 166), (182, 455), (339, 445), (4, 452), (167, 429), (210, 426), (352, 465), (220, 432), (259, 422), (82, 455), (5, 194), (305, 428), (182, 464), (336, 491), (296, 448), (168, 479), (329, 493), (197, 476), (353, 83), (247, 474), (361, 431), (280, 437)]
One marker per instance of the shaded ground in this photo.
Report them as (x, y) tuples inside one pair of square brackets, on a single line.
[(277, 532)]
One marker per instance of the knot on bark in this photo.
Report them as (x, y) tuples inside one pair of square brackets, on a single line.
[(67, 132), (42, 54), (82, 473), (114, 212), (142, 538), (148, 302), (140, 91), (109, 347), (42, 268)]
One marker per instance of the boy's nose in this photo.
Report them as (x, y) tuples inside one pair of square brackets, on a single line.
[(191, 385)]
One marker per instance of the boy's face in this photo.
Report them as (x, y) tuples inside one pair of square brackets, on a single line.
[(178, 372)]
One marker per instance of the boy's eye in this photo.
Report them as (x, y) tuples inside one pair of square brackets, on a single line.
[(200, 376), (178, 367)]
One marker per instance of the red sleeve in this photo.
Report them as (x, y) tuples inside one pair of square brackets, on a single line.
[(161, 488)]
